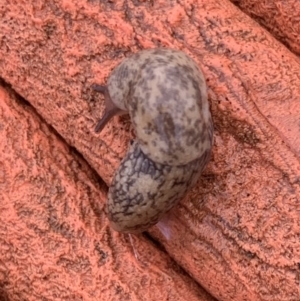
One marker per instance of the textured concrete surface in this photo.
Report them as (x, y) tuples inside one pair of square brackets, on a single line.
[(237, 232), (52, 244), (281, 18)]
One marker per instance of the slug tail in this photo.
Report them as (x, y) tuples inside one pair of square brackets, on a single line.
[(164, 228)]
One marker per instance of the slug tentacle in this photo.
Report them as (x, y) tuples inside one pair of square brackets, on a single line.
[(165, 94), (110, 108), (99, 88)]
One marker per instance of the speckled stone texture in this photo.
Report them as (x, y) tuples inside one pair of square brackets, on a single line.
[(55, 242), (280, 17), (236, 233)]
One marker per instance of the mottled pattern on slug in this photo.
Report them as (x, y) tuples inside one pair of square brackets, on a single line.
[(165, 94), (166, 97), (143, 191)]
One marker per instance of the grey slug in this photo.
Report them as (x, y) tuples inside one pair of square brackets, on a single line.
[(165, 94)]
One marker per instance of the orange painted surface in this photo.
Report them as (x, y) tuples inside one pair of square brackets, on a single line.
[(279, 17), (237, 232), (53, 245)]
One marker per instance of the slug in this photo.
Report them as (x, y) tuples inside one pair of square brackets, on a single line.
[(165, 94)]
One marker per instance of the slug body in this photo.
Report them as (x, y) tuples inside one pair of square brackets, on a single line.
[(165, 94)]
